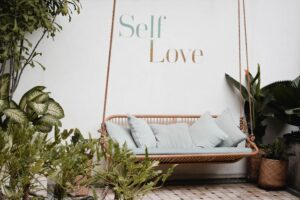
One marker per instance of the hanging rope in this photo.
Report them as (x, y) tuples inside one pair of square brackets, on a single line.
[(248, 70), (240, 59), (109, 61), (103, 139)]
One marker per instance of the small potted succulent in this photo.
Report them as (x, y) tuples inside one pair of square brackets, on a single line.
[(274, 166)]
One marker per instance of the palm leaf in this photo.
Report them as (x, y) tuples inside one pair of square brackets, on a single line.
[(296, 81), (16, 115), (277, 84), (236, 84)]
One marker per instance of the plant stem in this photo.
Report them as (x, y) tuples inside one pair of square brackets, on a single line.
[(26, 190), (27, 61), (2, 68)]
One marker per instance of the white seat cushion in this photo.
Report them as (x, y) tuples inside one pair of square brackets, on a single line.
[(141, 132), (172, 136), (120, 134), (226, 123), (206, 133)]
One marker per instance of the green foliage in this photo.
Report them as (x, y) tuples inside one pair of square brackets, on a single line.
[(260, 102), (23, 157), (27, 153), (280, 99), (73, 162), (127, 177), (19, 19), (286, 100), (276, 150), (35, 106)]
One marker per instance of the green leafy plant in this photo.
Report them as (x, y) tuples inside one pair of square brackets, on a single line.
[(19, 19), (73, 162), (276, 150), (286, 100), (280, 99), (127, 177), (36, 106), (24, 151), (260, 102)]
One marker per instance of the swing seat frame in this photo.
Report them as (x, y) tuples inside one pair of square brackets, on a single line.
[(122, 120)]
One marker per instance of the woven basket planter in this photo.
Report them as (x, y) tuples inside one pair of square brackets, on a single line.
[(253, 166), (272, 174)]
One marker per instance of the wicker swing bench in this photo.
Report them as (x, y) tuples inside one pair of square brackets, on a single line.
[(182, 156), (201, 155)]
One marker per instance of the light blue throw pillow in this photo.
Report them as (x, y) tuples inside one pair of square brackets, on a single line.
[(120, 134), (172, 136), (206, 133), (235, 135), (141, 132)]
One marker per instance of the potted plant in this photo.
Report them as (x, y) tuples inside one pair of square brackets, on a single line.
[(285, 105), (260, 113), (274, 166), (280, 99), (125, 176)]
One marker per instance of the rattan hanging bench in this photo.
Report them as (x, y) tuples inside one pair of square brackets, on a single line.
[(189, 119)]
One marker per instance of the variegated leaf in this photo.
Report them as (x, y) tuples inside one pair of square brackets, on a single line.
[(39, 108), (55, 110), (16, 115), (49, 120)]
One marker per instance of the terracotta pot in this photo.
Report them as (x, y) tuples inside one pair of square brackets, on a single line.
[(253, 166), (272, 173)]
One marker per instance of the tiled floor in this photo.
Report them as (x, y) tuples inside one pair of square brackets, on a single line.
[(216, 192)]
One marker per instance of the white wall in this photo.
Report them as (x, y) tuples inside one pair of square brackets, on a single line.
[(76, 61)]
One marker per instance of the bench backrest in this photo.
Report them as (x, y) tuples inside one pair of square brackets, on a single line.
[(156, 119)]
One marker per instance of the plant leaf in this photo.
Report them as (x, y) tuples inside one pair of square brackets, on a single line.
[(4, 86), (39, 108), (294, 111), (49, 120), (30, 95), (44, 128), (3, 104), (16, 115), (55, 109), (236, 84)]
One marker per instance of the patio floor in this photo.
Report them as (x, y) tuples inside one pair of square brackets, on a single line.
[(216, 192)]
